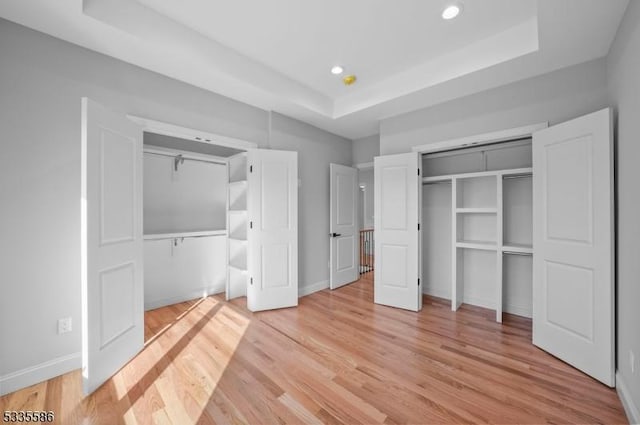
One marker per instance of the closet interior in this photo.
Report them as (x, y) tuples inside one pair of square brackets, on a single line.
[(185, 219), (477, 226)]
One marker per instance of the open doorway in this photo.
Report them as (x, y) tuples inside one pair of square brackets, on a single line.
[(366, 233)]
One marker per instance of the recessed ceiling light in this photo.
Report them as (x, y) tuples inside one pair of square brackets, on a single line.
[(337, 70), (451, 11)]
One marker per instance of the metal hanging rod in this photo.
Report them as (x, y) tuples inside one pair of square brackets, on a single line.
[(517, 176), (438, 182), (524, 254), (181, 158)]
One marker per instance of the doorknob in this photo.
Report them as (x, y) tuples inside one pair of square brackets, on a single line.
[(335, 235)]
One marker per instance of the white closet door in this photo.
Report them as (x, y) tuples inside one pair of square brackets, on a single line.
[(343, 225), (273, 229), (397, 238), (112, 251), (573, 292)]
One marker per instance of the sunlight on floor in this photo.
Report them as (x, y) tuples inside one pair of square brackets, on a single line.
[(199, 356)]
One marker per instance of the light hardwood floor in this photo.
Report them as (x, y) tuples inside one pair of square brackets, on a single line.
[(337, 358)]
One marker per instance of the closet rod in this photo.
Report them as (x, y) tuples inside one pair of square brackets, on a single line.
[(438, 182), (182, 238), (211, 161), (517, 176), (524, 254)]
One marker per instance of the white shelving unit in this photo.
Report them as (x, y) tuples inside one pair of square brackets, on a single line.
[(237, 223), (481, 220)]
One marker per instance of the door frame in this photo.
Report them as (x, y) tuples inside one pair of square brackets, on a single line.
[(472, 141), (481, 139), (200, 136)]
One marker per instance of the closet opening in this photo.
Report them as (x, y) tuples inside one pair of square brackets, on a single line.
[(477, 205), (185, 225)]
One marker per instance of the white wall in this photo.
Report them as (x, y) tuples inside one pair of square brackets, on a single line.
[(554, 97), (191, 199), (41, 82), (624, 88), (365, 149), (180, 270), (316, 150)]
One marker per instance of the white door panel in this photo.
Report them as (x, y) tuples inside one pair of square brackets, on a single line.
[(573, 310), (112, 253), (273, 230), (397, 217), (343, 227)]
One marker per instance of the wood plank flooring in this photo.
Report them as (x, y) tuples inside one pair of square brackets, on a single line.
[(337, 358)]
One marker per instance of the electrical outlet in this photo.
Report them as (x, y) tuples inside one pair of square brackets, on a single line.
[(64, 325), (632, 361)]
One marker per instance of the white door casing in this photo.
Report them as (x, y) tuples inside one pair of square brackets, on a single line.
[(396, 227), (343, 225), (273, 231), (573, 275), (111, 242)]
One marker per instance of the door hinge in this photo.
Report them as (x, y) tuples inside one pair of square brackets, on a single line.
[(418, 226), (251, 280), (251, 168), (418, 171), (418, 281), (251, 225)]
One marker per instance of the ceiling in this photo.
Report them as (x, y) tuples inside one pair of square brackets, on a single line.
[(277, 54)]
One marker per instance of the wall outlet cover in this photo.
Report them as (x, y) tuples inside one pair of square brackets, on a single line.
[(64, 325)]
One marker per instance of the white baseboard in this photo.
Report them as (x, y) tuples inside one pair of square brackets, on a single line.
[(436, 292), (200, 293), (630, 408), (41, 372), (480, 302), (518, 310), (314, 287)]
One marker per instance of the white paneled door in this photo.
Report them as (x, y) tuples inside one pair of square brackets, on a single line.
[(573, 275), (112, 253), (397, 236), (273, 229), (343, 225)]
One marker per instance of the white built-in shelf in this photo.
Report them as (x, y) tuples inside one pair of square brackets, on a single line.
[(477, 210), (159, 236), (517, 248), (517, 172), (482, 245), (238, 270), (449, 177), (238, 183)]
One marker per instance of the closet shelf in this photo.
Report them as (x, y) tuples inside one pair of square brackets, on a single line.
[(238, 269), (477, 210), (481, 245), (517, 248), (238, 241), (238, 183), (499, 173), (159, 236)]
